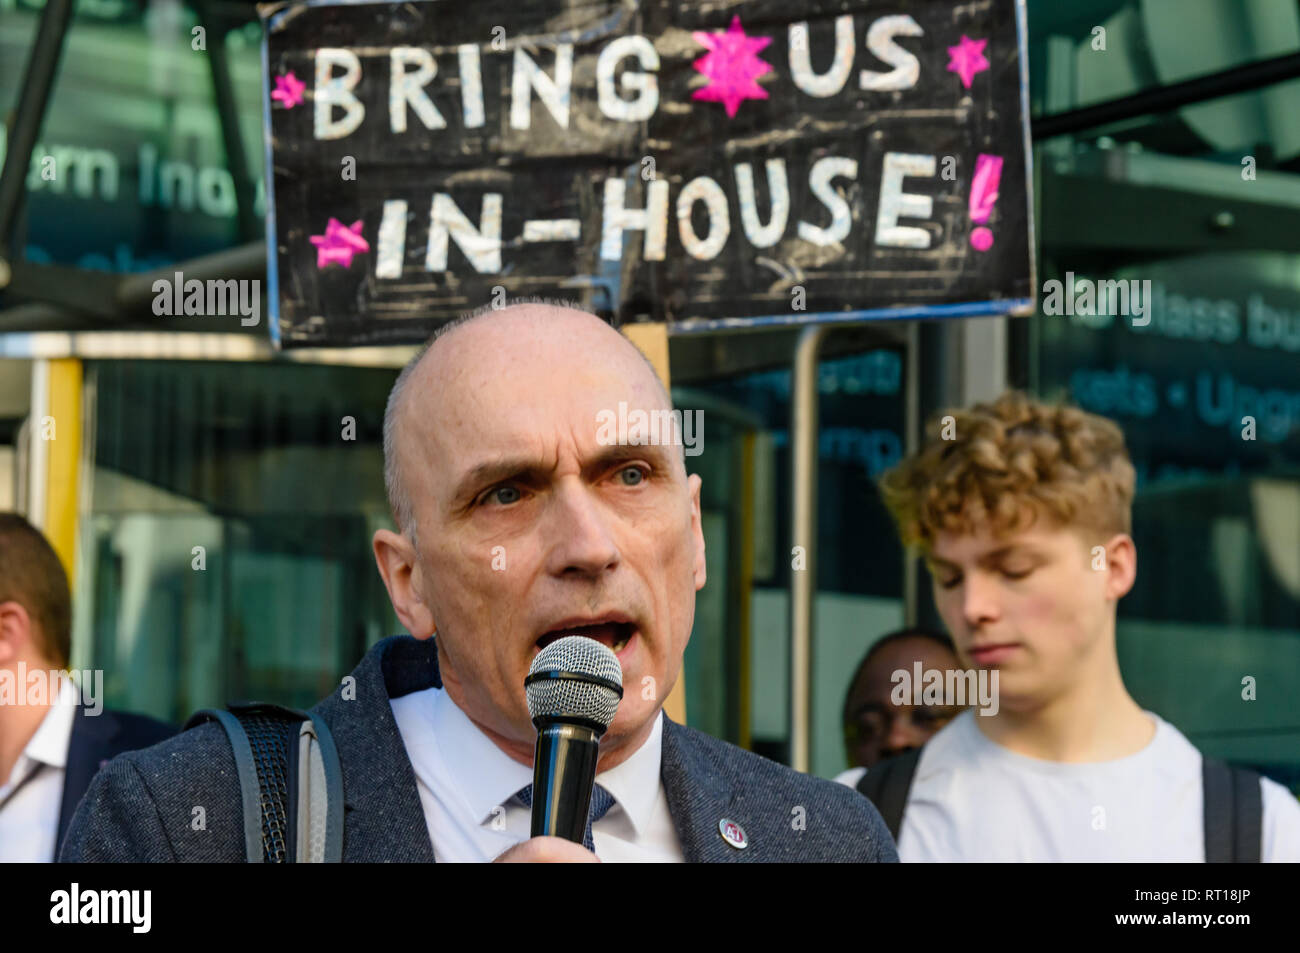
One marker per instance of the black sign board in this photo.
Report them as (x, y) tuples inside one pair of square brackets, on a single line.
[(710, 165)]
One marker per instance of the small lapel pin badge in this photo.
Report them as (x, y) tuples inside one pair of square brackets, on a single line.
[(733, 833)]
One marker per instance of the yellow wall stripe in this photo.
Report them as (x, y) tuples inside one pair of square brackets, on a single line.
[(64, 455)]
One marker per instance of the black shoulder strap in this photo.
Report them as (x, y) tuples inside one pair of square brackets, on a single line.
[(1234, 813), (249, 789), (887, 784), (264, 739)]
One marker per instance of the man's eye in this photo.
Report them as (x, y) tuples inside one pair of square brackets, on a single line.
[(502, 494), (631, 476), (1021, 574), (926, 715), (870, 725), (950, 582)]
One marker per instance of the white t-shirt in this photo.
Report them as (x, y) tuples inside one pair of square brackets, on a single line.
[(974, 800)]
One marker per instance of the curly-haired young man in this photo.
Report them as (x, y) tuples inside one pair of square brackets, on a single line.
[(1022, 512)]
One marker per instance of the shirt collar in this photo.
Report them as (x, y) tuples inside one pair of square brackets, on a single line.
[(49, 745), (486, 775), (496, 777), (635, 782)]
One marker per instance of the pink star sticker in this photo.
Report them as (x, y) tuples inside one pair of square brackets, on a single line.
[(339, 243), (731, 66), (288, 90), (967, 59)]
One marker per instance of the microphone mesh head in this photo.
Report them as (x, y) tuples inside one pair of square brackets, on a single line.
[(575, 655)]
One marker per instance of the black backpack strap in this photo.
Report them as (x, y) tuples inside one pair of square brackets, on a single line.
[(264, 739), (246, 768), (888, 784), (1234, 813)]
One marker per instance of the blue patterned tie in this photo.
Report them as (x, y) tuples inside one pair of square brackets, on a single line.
[(601, 802)]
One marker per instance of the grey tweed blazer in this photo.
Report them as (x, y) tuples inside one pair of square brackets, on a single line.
[(141, 805)]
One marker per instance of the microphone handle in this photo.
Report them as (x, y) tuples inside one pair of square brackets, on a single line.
[(564, 772)]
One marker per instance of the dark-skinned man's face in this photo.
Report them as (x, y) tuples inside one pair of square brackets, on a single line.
[(875, 728)]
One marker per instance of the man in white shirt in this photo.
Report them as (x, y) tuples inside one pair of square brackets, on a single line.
[(31, 785), (50, 743), (533, 528), (539, 524), (475, 815), (522, 516), (1022, 510)]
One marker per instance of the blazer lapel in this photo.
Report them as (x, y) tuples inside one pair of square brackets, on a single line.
[(383, 819), (698, 798), (88, 746)]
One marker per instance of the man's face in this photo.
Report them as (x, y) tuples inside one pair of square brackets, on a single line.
[(531, 529), (875, 727), (1037, 605)]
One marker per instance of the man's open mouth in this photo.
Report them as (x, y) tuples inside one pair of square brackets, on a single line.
[(613, 635)]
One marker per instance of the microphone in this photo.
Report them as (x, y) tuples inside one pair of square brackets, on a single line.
[(573, 690)]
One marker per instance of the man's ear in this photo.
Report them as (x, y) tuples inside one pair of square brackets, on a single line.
[(1121, 565), (697, 530), (400, 570), (15, 632)]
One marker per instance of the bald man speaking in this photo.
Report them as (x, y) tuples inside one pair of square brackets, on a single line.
[(519, 522)]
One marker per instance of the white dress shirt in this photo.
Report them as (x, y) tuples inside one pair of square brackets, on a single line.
[(31, 798), (468, 785)]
